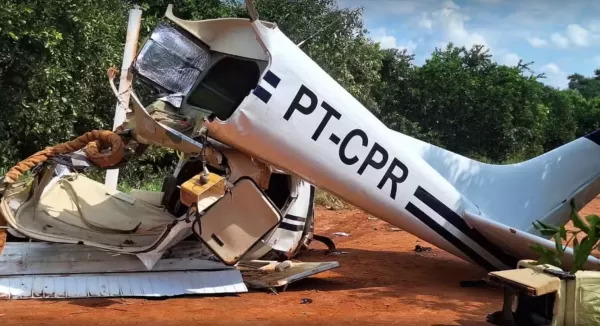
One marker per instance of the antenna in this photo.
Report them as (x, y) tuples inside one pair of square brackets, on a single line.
[(251, 10), (319, 31)]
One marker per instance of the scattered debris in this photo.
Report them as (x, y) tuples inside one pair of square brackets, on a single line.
[(326, 241), (395, 229), (262, 274), (339, 253), (342, 234), (283, 266), (213, 257), (306, 301), (419, 248)]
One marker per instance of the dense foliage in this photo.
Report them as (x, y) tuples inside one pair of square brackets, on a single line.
[(54, 55)]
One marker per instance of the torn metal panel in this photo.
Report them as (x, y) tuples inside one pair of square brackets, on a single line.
[(225, 35), (242, 165), (150, 132), (31, 258), (273, 274), (145, 284)]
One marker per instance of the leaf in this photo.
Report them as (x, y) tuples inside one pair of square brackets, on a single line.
[(577, 222), (546, 256), (545, 229), (583, 251), (544, 225), (550, 233), (563, 232), (594, 221), (558, 244)]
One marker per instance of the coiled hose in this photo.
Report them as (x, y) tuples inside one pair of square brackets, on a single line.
[(94, 142)]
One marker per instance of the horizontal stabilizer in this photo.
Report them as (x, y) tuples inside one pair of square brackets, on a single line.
[(518, 243)]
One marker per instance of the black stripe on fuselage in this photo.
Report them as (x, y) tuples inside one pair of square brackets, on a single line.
[(594, 136), (291, 227), (295, 218), (262, 94), (272, 79), (423, 217), (459, 223)]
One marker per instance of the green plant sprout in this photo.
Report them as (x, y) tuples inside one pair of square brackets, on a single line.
[(581, 250)]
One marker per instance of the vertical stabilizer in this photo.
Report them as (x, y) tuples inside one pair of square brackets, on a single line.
[(518, 194)]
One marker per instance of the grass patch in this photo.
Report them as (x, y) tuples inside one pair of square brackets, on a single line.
[(128, 181), (329, 201)]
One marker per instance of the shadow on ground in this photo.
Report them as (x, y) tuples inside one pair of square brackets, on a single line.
[(426, 280)]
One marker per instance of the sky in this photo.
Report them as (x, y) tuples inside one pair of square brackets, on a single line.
[(559, 37)]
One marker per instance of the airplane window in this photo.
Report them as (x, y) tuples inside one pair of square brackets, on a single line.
[(225, 86), (170, 60)]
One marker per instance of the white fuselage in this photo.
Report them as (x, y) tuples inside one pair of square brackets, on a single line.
[(301, 120)]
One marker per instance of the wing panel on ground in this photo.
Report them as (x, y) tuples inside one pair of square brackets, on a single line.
[(41, 270), (31, 258), (105, 285)]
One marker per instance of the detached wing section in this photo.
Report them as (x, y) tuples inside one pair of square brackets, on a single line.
[(517, 242)]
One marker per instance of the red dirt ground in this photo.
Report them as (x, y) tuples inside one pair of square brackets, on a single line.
[(381, 281)]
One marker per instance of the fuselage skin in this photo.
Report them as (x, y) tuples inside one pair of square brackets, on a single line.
[(300, 119)]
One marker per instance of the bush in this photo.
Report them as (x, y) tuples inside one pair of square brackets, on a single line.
[(582, 250)]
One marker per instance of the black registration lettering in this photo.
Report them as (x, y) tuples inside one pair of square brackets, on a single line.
[(329, 112), (377, 157), (296, 106), (342, 152), (371, 161), (389, 175)]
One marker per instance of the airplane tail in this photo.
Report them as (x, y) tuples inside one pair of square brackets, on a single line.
[(519, 194)]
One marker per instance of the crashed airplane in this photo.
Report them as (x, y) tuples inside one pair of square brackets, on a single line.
[(258, 126)]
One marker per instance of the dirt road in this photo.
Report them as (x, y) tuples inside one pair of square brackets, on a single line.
[(381, 281)]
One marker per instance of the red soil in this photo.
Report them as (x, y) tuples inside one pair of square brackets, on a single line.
[(381, 281)]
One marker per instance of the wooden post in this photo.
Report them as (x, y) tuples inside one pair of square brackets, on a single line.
[(125, 81)]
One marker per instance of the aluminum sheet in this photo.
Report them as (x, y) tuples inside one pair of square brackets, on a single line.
[(33, 258), (138, 284), (35, 270)]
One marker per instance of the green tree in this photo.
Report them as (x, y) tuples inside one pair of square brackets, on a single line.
[(53, 61), (334, 38), (394, 93), (475, 106), (589, 87), (54, 56), (562, 120)]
